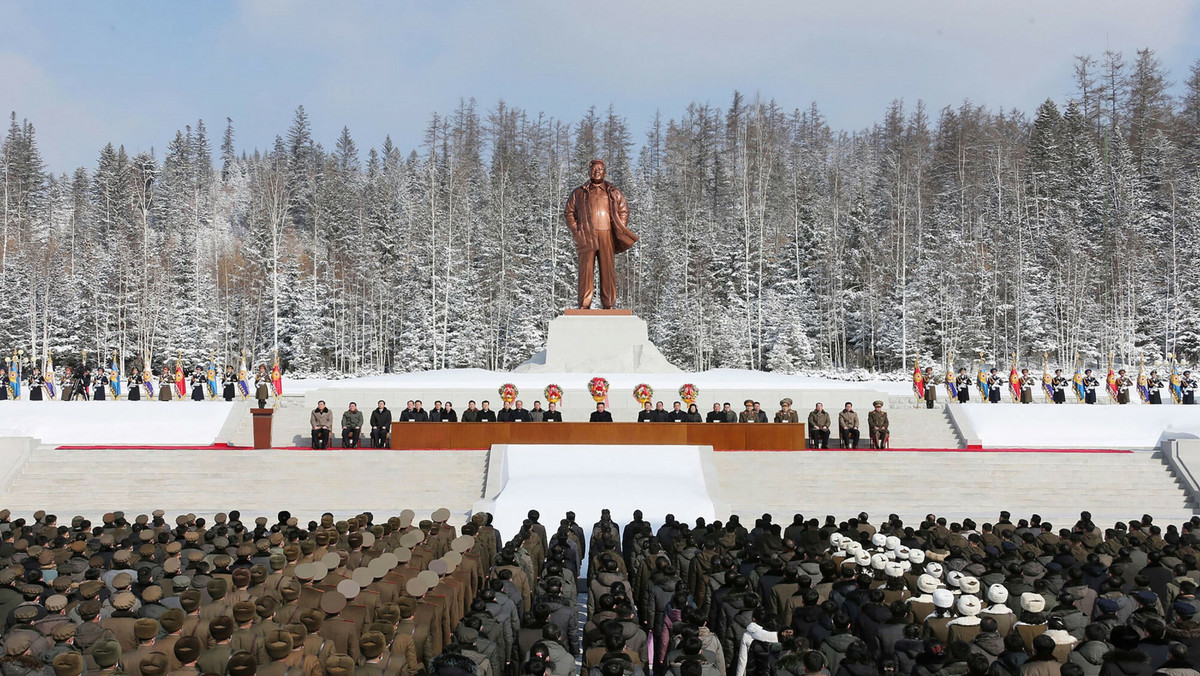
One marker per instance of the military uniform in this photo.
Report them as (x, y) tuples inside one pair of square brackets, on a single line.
[(877, 424)]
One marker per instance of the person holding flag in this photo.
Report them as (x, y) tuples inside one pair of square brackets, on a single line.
[(1188, 384), (1174, 382), (1123, 383), (99, 383), (164, 384), (228, 383), (963, 385), (14, 375), (1090, 383), (995, 385), (198, 381), (36, 383), (1059, 383), (134, 382), (1154, 388)]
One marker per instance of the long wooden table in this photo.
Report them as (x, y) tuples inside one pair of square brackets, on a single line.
[(412, 436)]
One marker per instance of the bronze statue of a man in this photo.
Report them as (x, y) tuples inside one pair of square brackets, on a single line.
[(598, 218)]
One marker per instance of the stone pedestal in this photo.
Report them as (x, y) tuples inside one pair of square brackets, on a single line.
[(598, 341)]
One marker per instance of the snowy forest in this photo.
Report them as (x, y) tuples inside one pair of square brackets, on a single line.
[(769, 240)]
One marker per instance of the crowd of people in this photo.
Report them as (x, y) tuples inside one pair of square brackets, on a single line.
[(401, 597), (100, 384), (321, 419), (1023, 386)]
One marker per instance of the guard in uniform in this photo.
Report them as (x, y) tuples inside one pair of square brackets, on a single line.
[(165, 385), (1155, 385), (1123, 385), (1059, 384), (99, 384), (930, 387), (198, 381), (262, 386), (36, 382), (134, 383), (1026, 387), (963, 383), (1189, 385), (1089, 387), (229, 384), (66, 385), (994, 382)]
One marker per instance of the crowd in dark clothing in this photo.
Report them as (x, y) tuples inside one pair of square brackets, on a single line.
[(395, 597)]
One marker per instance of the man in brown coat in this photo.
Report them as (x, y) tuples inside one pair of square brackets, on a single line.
[(598, 217), (818, 426), (848, 426)]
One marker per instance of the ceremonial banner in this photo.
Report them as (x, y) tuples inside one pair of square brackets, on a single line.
[(951, 386), (1014, 382), (14, 377), (277, 377), (1047, 379), (211, 377), (243, 377), (1143, 383), (1079, 390), (114, 377), (147, 376), (1114, 390), (180, 379), (1176, 381), (49, 374), (981, 382), (918, 380)]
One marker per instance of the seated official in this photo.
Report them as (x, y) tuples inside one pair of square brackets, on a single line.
[(818, 426), (381, 425), (472, 413), (677, 413), (715, 415), (600, 415), (552, 414), (352, 422), (749, 415), (877, 422), (660, 413), (693, 414), (505, 413), (448, 413), (536, 413), (647, 414), (435, 413), (785, 414), (848, 426), (486, 414), (519, 414), (321, 420), (731, 416), (419, 412), (409, 411)]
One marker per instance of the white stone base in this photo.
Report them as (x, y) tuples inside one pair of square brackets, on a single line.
[(598, 343)]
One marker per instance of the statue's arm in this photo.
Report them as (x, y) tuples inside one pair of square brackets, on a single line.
[(569, 214), (622, 207)]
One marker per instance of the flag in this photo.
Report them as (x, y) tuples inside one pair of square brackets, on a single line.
[(211, 375), (1079, 389), (50, 377), (243, 377), (1176, 381), (1114, 390), (951, 386), (14, 378), (277, 377), (981, 382), (1047, 380), (147, 376), (1014, 381), (114, 378), (918, 379), (180, 379), (1143, 383)]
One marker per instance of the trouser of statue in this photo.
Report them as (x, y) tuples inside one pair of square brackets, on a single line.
[(587, 273), (379, 437)]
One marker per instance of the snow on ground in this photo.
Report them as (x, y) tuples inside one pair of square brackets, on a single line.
[(1080, 426), (122, 423)]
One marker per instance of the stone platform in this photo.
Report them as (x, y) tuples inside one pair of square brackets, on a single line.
[(585, 341)]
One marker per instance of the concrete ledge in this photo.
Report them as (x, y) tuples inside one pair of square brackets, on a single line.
[(1183, 457), (962, 424), (15, 452)]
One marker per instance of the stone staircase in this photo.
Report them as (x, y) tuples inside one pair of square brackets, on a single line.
[(307, 483), (921, 428), (955, 484)]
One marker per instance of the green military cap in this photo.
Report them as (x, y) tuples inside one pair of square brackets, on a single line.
[(332, 602), (88, 610), (17, 643), (152, 594), (389, 612), (407, 606), (25, 614), (106, 652), (289, 589), (190, 600), (217, 587), (56, 603), (277, 560), (388, 630), (298, 632), (172, 620), (63, 631), (155, 664), (171, 566), (307, 547), (68, 664), (264, 607), (145, 629), (221, 627), (123, 601), (312, 619), (241, 578), (90, 588), (121, 580)]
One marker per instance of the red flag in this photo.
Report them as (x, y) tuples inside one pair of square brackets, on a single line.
[(918, 379), (1014, 383), (277, 378)]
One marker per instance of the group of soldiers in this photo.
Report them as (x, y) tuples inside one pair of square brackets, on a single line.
[(1058, 385), (96, 384), (401, 597)]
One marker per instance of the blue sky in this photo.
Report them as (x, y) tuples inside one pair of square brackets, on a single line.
[(131, 72)]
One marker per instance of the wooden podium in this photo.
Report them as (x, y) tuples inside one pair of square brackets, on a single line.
[(413, 436), (261, 417)]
